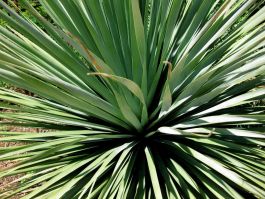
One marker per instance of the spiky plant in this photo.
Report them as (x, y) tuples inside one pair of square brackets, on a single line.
[(141, 99)]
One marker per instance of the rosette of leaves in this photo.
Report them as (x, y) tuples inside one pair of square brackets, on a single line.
[(140, 98)]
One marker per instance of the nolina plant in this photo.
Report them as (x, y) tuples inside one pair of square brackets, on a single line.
[(141, 99)]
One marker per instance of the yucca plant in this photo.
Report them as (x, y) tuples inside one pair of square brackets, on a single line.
[(136, 99)]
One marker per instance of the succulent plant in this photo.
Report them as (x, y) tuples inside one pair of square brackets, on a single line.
[(136, 98)]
